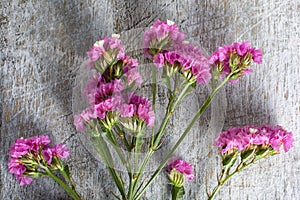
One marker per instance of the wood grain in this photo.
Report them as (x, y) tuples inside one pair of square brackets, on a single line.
[(43, 45)]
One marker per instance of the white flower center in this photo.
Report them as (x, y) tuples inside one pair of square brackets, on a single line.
[(99, 43), (115, 35), (170, 23), (253, 130)]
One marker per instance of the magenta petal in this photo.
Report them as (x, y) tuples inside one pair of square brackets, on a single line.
[(60, 151), (24, 180), (15, 167), (181, 166), (47, 154)]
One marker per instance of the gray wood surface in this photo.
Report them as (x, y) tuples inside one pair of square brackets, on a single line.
[(43, 45)]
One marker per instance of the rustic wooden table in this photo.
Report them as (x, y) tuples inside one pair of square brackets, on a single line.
[(43, 45)]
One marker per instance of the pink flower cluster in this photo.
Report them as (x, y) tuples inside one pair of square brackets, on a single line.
[(243, 56), (108, 45), (190, 59), (140, 107), (27, 154), (162, 35), (109, 51), (181, 166), (97, 90), (127, 105), (241, 138), (105, 91)]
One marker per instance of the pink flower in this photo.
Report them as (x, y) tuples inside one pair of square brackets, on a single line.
[(28, 155), (107, 46), (110, 104), (60, 151), (126, 110), (79, 123), (236, 57), (39, 141), (281, 138), (256, 55), (190, 59), (241, 47), (94, 53), (161, 36), (19, 148), (240, 138), (181, 166), (24, 180), (137, 106), (134, 76), (16, 167), (158, 60), (47, 154)]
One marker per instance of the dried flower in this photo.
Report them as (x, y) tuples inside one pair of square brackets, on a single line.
[(192, 63), (235, 59), (28, 155), (136, 111), (181, 166), (241, 138), (106, 52), (161, 36)]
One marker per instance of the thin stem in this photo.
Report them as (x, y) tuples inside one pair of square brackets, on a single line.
[(121, 134), (227, 177), (170, 109), (117, 148), (67, 188), (154, 90), (102, 148), (196, 117), (142, 168)]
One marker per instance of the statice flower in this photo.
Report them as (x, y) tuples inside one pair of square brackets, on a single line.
[(84, 117), (162, 35), (106, 52), (188, 60), (24, 180), (182, 167), (130, 71), (136, 112), (29, 157), (243, 138), (235, 58)]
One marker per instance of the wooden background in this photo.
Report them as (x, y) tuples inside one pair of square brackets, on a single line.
[(43, 45)]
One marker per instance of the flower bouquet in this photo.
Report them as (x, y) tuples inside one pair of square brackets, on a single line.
[(122, 125)]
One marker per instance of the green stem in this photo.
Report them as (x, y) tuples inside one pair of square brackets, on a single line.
[(170, 109), (141, 170), (103, 150), (227, 177), (196, 117), (69, 190), (121, 134), (177, 192)]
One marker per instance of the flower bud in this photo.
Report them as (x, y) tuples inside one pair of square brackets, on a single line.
[(234, 61), (246, 61), (176, 178), (134, 125)]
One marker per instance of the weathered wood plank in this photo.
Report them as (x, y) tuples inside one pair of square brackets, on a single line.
[(43, 45)]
